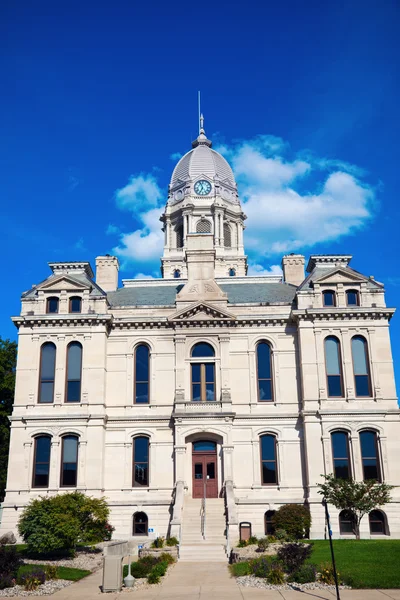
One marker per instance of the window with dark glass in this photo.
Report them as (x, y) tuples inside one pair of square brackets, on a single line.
[(269, 472), (269, 522), (69, 466), (264, 371), (75, 304), (177, 274), (377, 523), (179, 235), (140, 524), (359, 351), (52, 305), (333, 363), (341, 455), (232, 272), (329, 298), (203, 373), (74, 372), (370, 455), (142, 374), (47, 372), (41, 466), (352, 298), (141, 462), (346, 522)]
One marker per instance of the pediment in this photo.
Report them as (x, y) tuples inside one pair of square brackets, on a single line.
[(63, 282), (340, 275), (203, 311)]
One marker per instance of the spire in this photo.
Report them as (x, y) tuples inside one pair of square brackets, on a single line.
[(202, 139)]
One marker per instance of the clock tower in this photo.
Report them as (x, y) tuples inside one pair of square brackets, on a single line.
[(203, 198)]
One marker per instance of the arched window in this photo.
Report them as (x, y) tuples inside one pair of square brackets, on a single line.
[(52, 305), (142, 374), (41, 462), (333, 361), (232, 272), (352, 298), (203, 226), (179, 235), (69, 461), (203, 373), (75, 304), (177, 274), (359, 349), (47, 372), (269, 522), (227, 236), (74, 372), (377, 523), (269, 471), (329, 298), (140, 524), (341, 454), (346, 522), (370, 455), (140, 461), (264, 372)]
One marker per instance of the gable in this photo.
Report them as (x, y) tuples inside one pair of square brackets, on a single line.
[(63, 282), (340, 276), (202, 311)]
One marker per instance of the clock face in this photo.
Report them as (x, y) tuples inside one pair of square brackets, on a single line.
[(202, 187)]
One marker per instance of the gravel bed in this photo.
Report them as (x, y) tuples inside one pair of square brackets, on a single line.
[(83, 560), (49, 587), (140, 584), (258, 582)]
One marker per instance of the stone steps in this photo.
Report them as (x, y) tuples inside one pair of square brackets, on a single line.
[(193, 546)]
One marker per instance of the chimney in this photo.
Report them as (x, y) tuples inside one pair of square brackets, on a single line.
[(293, 269), (107, 268)]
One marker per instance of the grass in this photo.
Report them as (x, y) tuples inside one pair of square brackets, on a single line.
[(240, 569), (62, 572)]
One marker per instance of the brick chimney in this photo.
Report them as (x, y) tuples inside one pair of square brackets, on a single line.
[(107, 268), (293, 269)]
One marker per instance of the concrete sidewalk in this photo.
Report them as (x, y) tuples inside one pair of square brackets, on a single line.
[(205, 581)]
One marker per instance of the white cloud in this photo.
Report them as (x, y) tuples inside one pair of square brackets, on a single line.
[(112, 229), (175, 156), (141, 192), (143, 276), (259, 270)]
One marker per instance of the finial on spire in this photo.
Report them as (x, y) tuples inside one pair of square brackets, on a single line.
[(201, 123)]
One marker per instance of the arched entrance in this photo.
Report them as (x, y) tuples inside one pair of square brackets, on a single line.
[(205, 472)]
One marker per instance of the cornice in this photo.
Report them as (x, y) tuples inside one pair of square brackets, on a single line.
[(60, 320), (65, 417), (336, 314)]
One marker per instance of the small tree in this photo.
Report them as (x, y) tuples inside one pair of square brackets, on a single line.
[(295, 519), (358, 497)]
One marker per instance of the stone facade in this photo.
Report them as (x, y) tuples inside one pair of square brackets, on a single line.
[(232, 314)]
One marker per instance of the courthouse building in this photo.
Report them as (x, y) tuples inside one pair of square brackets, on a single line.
[(205, 381)]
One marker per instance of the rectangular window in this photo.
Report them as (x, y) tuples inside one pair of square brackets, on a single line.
[(41, 468), (369, 453), (269, 474), (340, 450), (203, 382), (69, 467), (140, 462)]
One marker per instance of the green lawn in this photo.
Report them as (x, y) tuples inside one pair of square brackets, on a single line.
[(362, 563), (62, 572)]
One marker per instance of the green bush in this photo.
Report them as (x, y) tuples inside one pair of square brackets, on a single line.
[(326, 574), (6, 581), (158, 542), (306, 574), (9, 561), (50, 525), (276, 576), (149, 560), (167, 558), (293, 556), (32, 580), (138, 570), (172, 541), (260, 567), (281, 535), (241, 544), (51, 571), (295, 519), (240, 569), (271, 539), (263, 544), (252, 540), (153, 577)]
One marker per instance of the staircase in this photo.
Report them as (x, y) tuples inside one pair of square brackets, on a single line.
[(193, 547)]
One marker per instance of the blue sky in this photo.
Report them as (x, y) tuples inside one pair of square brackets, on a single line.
[(302, 98)]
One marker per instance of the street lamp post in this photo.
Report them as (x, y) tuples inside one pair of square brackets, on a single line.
[(328, 521)]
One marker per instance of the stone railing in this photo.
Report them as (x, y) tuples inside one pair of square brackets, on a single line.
[(231, 516)]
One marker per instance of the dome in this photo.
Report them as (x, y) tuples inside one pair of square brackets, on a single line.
[(202, 160)]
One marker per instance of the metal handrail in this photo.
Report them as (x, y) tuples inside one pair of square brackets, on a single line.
[(203, 513)]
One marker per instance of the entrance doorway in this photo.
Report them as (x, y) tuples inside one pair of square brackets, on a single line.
[(205, 476)]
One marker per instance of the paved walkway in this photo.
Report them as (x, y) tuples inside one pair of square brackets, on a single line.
[(205, 581)]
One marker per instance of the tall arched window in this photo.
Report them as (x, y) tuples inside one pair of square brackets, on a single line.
[(47, 372), (269, 470), (227, 235), (269, 522), (75, 304), (362, 382), (52, 305), (329, 298), (142, 374), (74, 372), (203, 226), (179, 235), (377, 523), (69, 461), (203, 373), (140, 461), (341, 454), (41, 462), (352, 298), (370, 455), (264, 372), (333, 361), (140, 524), (346, 522)]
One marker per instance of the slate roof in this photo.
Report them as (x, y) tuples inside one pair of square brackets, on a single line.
[(321, 271), (273, 293)]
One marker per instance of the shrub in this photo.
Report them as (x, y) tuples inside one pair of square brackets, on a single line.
[(51, 571), (9, 561), (326, 574), (153, 577), (149, 560), (32, 580), (263, 544), (172, 541), (138, 570), (60, 522), (276, 576), (271, 539), (295, 519), (240, 569), (167, 558), (281, 535), (252, 540), (158, 542), (261, 567), (160, 568), (6, 581), (294, 555), (306, 574), (242, 544)]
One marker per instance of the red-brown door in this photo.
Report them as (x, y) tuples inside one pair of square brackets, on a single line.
[(205, 472)]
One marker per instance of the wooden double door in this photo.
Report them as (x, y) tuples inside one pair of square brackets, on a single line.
[(205, 476)]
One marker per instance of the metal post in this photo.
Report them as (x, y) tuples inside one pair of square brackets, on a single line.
[(325, 504)]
